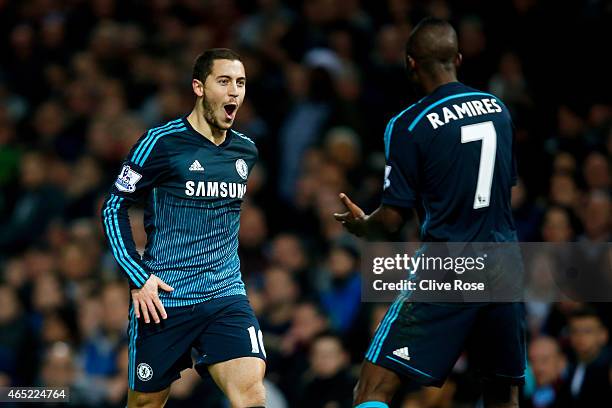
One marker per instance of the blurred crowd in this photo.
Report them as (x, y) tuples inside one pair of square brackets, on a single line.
[(81, 80)]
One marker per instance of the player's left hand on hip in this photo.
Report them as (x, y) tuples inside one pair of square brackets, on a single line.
[(146, 300)]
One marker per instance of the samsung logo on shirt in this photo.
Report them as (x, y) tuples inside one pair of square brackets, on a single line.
[(214, 189), (470, 108)]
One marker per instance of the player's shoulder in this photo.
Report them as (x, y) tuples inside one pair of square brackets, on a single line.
[(463, 91), (160, 131), (242, 138), (244, 141), (453, 104), (398, 125), (405, 116), (154, 139)]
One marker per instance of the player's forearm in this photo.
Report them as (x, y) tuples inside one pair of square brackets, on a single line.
[(116, 223), (382, 222)]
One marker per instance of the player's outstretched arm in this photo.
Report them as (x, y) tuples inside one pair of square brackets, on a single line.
[(383, 221), (146, 299)]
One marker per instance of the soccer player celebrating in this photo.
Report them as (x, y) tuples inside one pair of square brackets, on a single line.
[(450, 157), (187, 291)]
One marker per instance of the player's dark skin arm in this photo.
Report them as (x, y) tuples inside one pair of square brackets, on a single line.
[(383, 221)]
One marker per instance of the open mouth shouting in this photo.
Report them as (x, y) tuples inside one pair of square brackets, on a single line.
[(230, 111)]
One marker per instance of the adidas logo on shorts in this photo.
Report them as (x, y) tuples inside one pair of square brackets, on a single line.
[(402, 353), (196, 166)]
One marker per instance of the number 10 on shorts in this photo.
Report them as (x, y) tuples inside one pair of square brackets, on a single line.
[(256, 341)]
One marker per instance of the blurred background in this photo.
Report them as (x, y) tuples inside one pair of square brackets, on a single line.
[(80, 81)]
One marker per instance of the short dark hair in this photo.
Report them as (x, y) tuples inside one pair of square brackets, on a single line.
[(330, 334), (204, 62), (583, 312), (433, 42)]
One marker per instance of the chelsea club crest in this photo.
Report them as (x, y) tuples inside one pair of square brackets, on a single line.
[(144, 371), (242, 168)]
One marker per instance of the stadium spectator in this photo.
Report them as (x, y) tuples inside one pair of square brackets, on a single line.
[(548, 365), (597, 217), (509, 84), (527, 214), (588, 379), (17, 341), (252, 236), (596, 170), (280, 293), (341, 298), (59, 370), (563, 191), (308, 117), (288, 251), (328, 380), (307, 323), (100, 350), (557, 225), (36, 205)]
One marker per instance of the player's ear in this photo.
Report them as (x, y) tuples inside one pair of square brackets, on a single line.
[(410, 63), (198, 87), (458, 59)]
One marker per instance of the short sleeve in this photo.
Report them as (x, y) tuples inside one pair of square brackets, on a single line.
[(402, 169)]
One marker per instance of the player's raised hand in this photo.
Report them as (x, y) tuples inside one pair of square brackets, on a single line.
[(354, 219), (146, 300)]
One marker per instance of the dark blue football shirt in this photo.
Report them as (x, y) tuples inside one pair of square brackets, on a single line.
[(192, 190), (450, 155)]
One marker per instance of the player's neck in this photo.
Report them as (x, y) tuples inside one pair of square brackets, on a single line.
[(432, 82), (201, 125)]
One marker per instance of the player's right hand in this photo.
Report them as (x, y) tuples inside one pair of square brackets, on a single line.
[(146, 300), (354, 219)]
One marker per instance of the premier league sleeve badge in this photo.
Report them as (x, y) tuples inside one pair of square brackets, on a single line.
[(127, 179)]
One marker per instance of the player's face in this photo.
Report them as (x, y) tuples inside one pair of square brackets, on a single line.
[(224, 91)]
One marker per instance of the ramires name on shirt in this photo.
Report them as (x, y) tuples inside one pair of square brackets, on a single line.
[(458, 111), (214, 189)]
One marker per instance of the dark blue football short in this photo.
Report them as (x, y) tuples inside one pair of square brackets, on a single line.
[(218, 330), (422, 341)]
